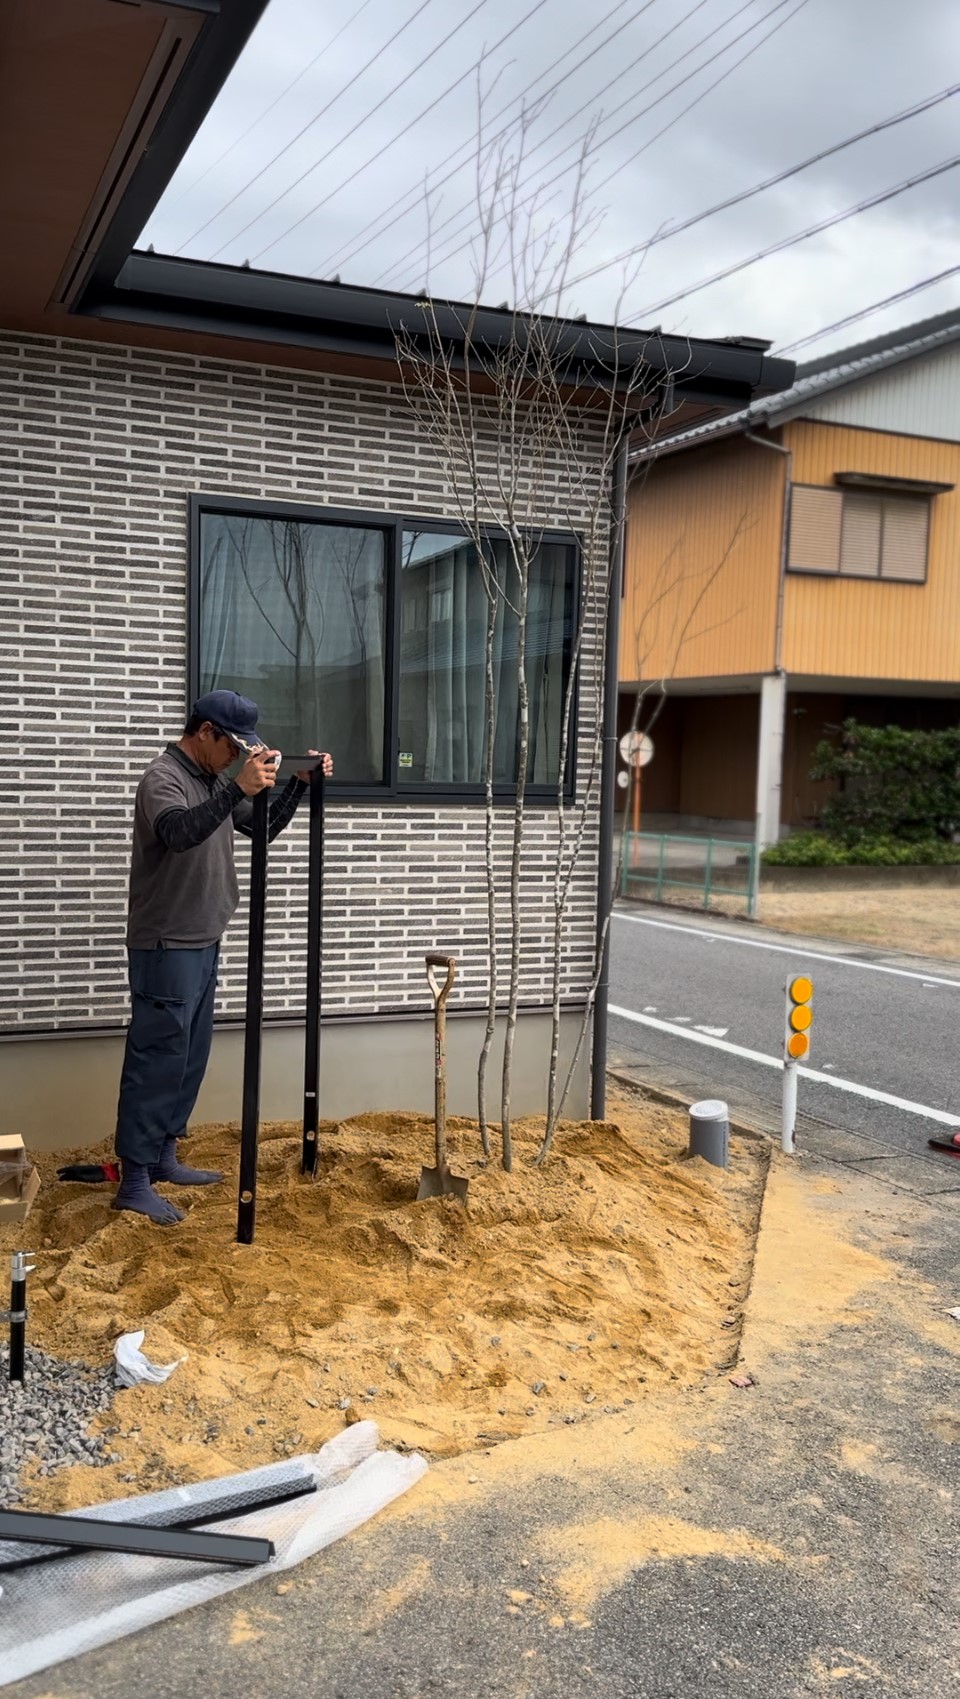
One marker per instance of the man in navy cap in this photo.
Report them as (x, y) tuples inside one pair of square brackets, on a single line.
[(183, 893)]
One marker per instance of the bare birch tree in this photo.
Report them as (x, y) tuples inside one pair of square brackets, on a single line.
[(548, 428)]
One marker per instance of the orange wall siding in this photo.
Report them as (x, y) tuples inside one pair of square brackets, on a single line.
[(683, 515), (845, 628)]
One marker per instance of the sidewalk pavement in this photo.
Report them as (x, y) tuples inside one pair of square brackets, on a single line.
[(789, 1537)]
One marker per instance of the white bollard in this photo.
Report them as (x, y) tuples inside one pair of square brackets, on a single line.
[(789, 1120), (710, 1131)]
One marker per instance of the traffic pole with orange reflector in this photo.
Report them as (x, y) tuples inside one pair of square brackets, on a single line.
[(796, 1048)]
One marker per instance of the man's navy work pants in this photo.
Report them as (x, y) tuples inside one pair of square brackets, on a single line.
[(168, 1047)]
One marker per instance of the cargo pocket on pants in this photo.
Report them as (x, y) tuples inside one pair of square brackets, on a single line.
[(158, 1024)]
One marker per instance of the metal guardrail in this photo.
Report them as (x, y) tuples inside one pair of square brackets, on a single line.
[(660, 867)]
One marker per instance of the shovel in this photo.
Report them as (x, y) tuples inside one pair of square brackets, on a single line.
[(439, 1182)]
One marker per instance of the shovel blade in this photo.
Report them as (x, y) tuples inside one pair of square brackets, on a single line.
[(438, 1183)]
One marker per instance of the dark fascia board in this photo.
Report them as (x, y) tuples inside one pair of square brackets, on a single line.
[(223, 36), (265, 306), (879, 481)]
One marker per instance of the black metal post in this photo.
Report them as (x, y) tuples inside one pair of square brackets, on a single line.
[(38, 1528), (311, 1064), (18, 1313), (608, 779), (253, 1034)]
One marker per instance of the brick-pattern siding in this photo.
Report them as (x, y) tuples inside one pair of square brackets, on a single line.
[(99, 449)]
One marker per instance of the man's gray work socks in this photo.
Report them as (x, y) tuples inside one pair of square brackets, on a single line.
[(170, 1172), (136, 1193)]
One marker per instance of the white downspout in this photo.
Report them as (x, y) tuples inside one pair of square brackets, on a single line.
[(773, 695)]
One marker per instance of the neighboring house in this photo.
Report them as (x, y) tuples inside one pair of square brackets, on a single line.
[(792, 565), (212, 476)]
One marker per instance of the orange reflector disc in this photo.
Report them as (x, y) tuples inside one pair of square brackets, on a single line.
[(801, 1017), (798, 1044), (800, 989)]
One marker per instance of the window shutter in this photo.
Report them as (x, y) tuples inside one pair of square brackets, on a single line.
[(815, 517), (905, 528), (860, 545)]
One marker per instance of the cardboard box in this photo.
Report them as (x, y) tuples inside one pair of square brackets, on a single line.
[(19, 1180), (17, 1208)]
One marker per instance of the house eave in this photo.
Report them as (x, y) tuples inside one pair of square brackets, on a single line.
[(241, 304)]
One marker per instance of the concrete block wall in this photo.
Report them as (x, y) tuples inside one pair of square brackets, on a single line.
[(100, 448)]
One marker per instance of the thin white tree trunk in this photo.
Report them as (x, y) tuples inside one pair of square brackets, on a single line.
[(516, 859), (491, 874)]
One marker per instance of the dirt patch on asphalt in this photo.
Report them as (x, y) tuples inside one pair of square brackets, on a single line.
[(594, 1557), (619, 1266)]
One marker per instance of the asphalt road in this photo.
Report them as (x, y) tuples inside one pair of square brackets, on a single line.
[(690, 995)]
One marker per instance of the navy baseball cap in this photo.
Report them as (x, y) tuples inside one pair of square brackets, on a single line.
[(233, 714)]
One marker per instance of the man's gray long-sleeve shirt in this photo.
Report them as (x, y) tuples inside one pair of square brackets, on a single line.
[(183, 879)]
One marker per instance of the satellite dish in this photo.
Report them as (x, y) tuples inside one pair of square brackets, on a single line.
[(636, 749)]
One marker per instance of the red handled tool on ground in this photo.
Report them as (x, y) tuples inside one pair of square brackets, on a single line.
[(950, 1143), (91, 1173), (438, 1182)]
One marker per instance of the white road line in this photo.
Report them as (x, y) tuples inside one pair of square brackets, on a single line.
[(782, 949), (766, 1061)]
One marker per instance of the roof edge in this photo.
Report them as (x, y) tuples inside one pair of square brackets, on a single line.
[(791, 403), (262, 306), (224, 33)]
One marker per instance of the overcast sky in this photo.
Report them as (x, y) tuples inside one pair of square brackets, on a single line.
[(831, 68)]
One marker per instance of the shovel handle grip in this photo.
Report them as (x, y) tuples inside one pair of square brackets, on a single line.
[(434, 961)]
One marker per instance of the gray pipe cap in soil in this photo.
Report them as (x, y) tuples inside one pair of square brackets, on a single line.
[(710, 1131)]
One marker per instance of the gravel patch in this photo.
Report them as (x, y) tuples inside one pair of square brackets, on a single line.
[(47, 1416)]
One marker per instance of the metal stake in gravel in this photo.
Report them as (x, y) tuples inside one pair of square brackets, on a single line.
[(17, 1313), (311, 1065), (253, 1033)]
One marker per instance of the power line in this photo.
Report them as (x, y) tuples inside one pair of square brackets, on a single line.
[(478, 7), (289, 87), (308, 126), (353, 246), (865, 312), (768, 183), (635, 117), (467, 223), (386, 147), (801, 236)]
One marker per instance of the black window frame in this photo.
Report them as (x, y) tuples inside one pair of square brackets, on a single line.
[(392, 525)]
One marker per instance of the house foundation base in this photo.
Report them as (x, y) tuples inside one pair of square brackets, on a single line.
[(60, 1092)]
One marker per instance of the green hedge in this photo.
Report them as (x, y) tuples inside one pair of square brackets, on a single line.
[(815, 849), (893, 785)]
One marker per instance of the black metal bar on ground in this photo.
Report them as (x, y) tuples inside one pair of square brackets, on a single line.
[(219, 1501), (311, 1065), (253, 1031), (132, 1540)]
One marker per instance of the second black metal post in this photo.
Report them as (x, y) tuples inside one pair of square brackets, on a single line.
[(311, 1064), (253, 1032)]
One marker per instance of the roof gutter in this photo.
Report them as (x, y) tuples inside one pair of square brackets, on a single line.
[(236, 302)]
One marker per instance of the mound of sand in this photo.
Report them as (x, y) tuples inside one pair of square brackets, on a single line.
[(558, 1292)]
